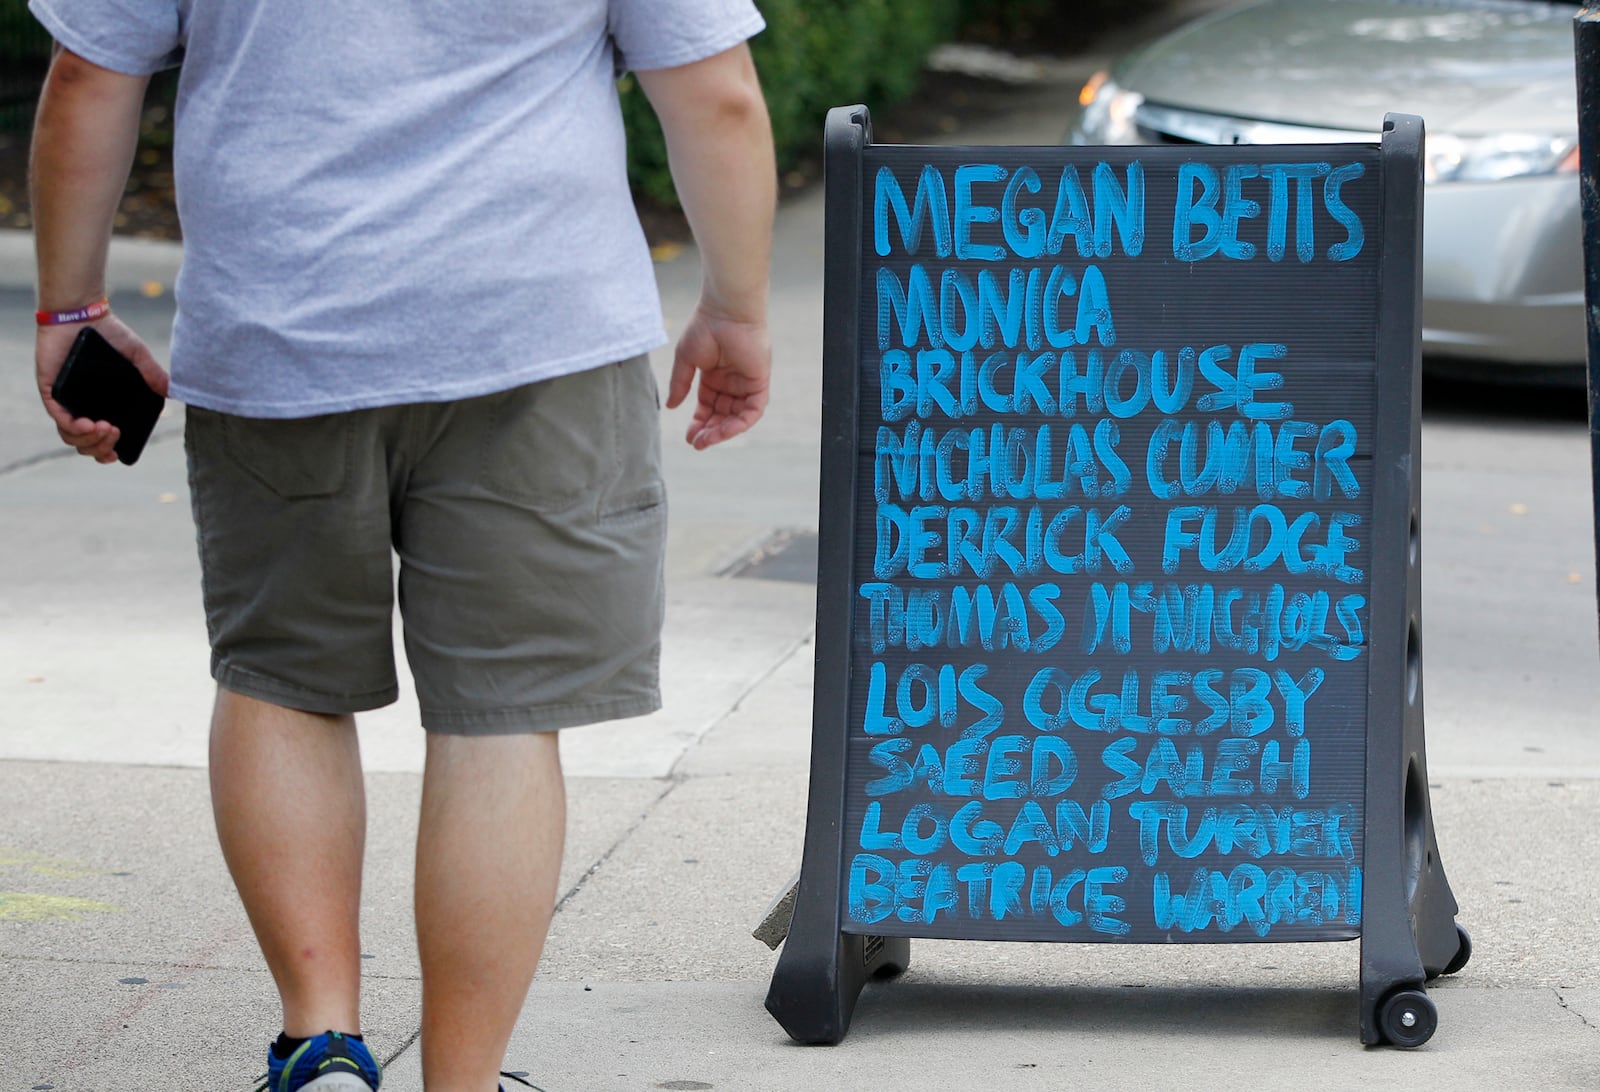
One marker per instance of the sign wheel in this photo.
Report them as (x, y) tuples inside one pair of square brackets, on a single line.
[(1408, 1018)]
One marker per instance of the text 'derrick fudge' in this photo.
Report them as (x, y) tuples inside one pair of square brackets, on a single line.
[(1110, 583)]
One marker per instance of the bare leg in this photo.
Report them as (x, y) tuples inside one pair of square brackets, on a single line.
[(488, 860), (290, 805)]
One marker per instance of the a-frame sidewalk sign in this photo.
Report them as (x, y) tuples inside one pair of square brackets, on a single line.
[(1118, 605)]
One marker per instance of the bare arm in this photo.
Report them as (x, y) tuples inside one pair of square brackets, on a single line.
[(719, 146), (83, 145)]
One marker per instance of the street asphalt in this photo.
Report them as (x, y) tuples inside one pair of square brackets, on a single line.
[(128, 963)]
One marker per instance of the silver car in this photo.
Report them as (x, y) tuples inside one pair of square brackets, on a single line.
[(1494, 82)]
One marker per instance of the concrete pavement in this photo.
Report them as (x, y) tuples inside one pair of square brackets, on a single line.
[(129, 963)]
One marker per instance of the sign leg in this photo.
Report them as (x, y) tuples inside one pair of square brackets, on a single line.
[(1408, 929), (821, 971)]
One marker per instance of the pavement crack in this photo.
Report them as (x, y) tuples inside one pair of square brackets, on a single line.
[(668, 785), (405, 1046), (160, 436), (674, 778), (34, 460), (1562, 1001), (803, 641)]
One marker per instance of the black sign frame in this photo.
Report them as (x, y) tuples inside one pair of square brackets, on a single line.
[(1407, 923)]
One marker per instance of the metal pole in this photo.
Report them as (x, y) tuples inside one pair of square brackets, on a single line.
[(1586, 30)]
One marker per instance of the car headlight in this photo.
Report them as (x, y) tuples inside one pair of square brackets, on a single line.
[(1108, 111), (1493, 158)]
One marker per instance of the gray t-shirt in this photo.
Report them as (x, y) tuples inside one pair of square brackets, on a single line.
[(399, 202)]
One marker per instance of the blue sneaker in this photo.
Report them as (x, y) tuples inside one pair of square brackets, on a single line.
[(330, 1062)]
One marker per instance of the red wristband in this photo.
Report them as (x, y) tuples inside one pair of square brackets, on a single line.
[(99, 309)]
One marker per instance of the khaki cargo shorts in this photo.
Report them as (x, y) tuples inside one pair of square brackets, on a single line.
[(530, 528)]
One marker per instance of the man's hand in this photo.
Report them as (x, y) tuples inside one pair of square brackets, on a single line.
[(734, 360), (96, 439)]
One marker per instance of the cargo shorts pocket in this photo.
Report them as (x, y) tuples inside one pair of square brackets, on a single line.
[(636, 489), (552, 443), (295, 458)]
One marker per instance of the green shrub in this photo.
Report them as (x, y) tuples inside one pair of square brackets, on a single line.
[(21, 36), (24, 55)]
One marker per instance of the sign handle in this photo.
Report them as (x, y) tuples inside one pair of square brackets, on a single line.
[(1408, 929), (1586, 31)]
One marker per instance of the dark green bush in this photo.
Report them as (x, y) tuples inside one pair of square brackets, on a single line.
[(24, 54), (21, 36)]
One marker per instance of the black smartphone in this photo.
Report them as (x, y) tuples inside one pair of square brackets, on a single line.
[(98, 382)]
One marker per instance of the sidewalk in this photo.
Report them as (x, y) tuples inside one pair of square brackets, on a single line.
[(127, 956)]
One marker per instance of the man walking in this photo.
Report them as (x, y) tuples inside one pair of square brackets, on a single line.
[(412, 320)]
